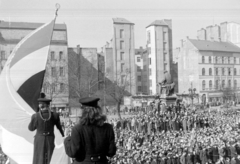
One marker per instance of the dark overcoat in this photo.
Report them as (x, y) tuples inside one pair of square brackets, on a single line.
[(44, 138), (87, 141)]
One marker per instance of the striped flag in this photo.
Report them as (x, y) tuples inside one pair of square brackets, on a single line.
[(20, 84)]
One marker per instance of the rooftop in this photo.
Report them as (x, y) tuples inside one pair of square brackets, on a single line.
[(121, 21), (158, 23), (206, 45), (28, 25)]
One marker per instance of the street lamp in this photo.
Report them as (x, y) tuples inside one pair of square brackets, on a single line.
[(192, 93)]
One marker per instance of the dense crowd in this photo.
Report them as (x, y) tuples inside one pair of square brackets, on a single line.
[(177, 135)]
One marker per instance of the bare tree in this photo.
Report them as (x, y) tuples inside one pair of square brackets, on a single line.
[(120, 88)]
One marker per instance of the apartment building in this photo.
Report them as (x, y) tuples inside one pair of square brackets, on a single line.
[(212, 67)]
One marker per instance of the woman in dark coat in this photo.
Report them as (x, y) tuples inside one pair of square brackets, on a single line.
[(92, 140), (44, 121)]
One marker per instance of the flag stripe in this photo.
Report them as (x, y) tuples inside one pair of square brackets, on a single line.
[(34, 41), (30, 89), (19, 74)]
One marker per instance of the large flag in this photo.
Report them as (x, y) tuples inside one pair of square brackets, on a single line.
[(20, 84)]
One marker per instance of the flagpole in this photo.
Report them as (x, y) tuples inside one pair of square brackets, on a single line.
[(56, 14), (57, 8)]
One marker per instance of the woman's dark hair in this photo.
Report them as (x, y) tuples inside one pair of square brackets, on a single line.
[(92, 116)]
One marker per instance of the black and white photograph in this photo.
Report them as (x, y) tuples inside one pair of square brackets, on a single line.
[(120, 82)]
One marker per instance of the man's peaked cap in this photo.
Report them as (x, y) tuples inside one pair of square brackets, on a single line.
[(89, 101), (43, 98)]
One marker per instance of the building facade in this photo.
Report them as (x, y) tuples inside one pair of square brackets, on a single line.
[(213, 68), (123, 54), (56, 77), (159, 44)]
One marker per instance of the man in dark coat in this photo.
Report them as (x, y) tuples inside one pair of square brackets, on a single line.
[(44, 121), (91, 140)]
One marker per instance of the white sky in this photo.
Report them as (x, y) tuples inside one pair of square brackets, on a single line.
[(89, 22)]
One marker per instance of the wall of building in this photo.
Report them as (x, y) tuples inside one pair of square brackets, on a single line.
[(188, 70), (209, 35), (145, 72), (160, 55), (216, 33), (124, 44), (224, 31), (201, 34), (234, 33), (139, 66), (151, 45)]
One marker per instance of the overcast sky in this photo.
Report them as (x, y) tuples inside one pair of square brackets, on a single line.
[(89, 22)]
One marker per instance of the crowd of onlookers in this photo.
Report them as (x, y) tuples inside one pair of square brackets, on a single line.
[(178, 135), (175, 134)]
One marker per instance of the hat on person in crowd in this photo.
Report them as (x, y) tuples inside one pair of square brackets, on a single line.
[(43, 99), (89, 101)]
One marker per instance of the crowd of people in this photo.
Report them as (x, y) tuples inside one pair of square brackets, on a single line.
[(178, 135)]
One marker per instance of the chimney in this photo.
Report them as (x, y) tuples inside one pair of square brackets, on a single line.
[(140, 47), (102, 49)]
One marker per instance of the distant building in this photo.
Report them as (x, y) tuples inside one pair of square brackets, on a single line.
[(159, 44), (56, 77), (120, 54), (225, 32), (211, 67)]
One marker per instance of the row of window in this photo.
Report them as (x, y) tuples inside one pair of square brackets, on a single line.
[(55, 73), (224, 71), (59, 88), (217, 84), (165, 36), (220, 60), (54, 56)]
